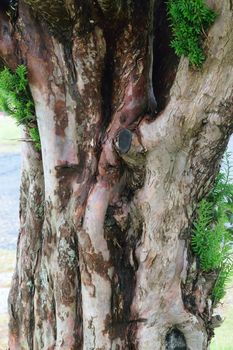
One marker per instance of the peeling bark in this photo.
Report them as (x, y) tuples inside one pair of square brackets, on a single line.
[(22, 295), (103, 257)]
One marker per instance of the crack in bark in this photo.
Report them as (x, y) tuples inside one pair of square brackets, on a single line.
[(165, 60)]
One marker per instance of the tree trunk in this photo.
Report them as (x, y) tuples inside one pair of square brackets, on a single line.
[(106, 209)]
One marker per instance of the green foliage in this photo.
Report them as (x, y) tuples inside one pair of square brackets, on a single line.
[(14, 97), (212, 240), (16, 100), (34, 134), (189, 19)]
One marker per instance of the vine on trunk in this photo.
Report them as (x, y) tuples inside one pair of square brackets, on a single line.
[(16, 100), (213, 237)]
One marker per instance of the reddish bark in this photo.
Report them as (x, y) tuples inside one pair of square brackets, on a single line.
[(105, 266)]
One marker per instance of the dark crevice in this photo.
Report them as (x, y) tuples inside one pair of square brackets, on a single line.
[(4, 5), (71, 66), (122, 248), (79, 311), (175, 340), (10, 7), (165, 60), (107, 82), (31, 301), (112, 31), (55, 18), (2, 63), (54, 310)]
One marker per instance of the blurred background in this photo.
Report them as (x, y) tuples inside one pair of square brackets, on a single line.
[(9, 208)]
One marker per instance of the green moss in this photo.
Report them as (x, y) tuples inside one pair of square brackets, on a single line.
[(16, 100), (213, 237), (189, 19)]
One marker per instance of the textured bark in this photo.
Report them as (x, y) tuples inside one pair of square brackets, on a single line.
[(22, 302), (104, 259)]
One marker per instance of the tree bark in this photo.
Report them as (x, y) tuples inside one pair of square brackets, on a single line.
[(106, 209), (22, 298)]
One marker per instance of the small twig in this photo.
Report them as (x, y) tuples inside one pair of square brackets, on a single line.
[(203, 31)]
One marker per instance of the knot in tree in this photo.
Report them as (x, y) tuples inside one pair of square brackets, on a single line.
[(123, 142), (175, 340)]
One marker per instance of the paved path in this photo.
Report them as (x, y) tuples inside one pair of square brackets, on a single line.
[(9, 223), (9, 198)]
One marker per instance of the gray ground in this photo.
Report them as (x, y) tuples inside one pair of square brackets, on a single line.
[(9, 198), (9, 222)]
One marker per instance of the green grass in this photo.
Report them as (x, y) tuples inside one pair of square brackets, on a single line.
[(223, 339)]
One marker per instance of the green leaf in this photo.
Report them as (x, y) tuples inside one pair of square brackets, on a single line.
[(212, 239), (188, 20), (16, 100)]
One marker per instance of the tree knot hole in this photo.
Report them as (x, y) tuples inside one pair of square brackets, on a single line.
[(123, 141), (175, 340)]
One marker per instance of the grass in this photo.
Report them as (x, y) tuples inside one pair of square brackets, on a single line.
[(223, 339)]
